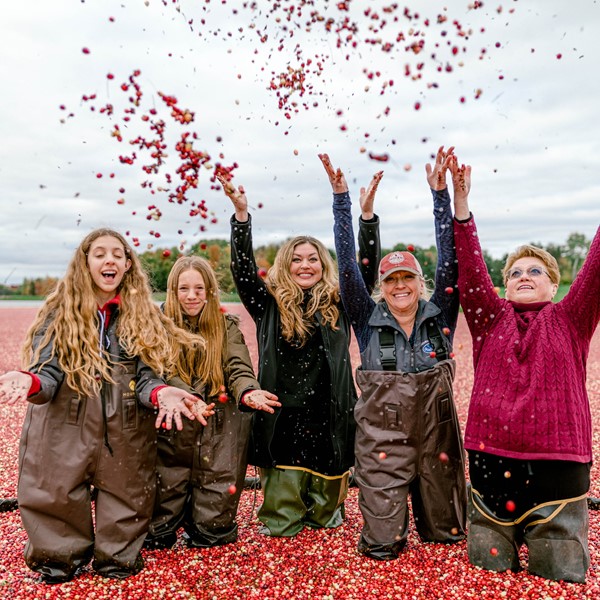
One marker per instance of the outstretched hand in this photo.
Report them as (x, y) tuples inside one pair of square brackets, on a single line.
[(336, 177), (461, 180), (367, 196), (237, 197), (174, 402), (261, 400), (14, 387), (436, 175)]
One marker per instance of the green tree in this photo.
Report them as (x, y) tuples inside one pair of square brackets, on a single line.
[(576, 249), (158, 264), (265, 255), (564, 265), (494, 267), (218, 253)]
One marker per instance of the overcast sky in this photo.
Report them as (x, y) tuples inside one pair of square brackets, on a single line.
[(532, 135)]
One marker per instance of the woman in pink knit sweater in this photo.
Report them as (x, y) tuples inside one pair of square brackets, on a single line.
[(528, 432)]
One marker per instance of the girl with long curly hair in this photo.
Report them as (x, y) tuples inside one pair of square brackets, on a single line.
[(305, 449), (201, 469), (94, 359)]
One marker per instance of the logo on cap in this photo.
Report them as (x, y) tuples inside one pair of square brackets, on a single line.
[(396, 258)]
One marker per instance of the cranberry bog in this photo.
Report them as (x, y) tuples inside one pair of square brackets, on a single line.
[(316, 564)]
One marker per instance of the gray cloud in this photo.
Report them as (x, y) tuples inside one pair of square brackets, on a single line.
[(532, 137)]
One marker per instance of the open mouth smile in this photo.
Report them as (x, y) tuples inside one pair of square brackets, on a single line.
[(109, 275)]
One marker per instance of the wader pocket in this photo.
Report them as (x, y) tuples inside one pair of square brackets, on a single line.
[(129, 414), (219, 421), (125, 374), (444, 408), (392, 417), (75, 408)]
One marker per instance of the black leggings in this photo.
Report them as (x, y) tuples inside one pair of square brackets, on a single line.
[(509, 487)]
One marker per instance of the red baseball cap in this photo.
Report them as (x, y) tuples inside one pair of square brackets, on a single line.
[(399, 261)]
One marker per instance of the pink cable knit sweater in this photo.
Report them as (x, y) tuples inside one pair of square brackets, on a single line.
[(529, 399)]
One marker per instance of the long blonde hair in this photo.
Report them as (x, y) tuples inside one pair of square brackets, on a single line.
[(69, 320), (206, 366), (297, 321)]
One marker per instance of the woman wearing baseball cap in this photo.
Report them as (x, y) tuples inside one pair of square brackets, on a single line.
[(408, 438)]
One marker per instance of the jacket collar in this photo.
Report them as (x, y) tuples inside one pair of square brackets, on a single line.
[(382, 316), (108, 309)]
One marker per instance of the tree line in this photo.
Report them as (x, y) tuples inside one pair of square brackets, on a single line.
[(158, 263)]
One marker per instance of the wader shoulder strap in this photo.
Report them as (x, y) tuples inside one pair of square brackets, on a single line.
[(435, 338), (387, 345), (387, 348)]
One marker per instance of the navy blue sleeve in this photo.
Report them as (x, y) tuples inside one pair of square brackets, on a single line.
[(446, 272), (357, 301)]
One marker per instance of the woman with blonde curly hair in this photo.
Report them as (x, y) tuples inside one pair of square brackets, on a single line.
[(201, 469), (95, 356), (304, 450)]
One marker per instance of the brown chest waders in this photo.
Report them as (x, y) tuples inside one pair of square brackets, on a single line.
[(70, 444), (408, 440), (196, 468)]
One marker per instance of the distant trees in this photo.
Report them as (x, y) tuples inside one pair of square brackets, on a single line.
[(494, 267), (575, 251), (40, 286), (6, 290), (158, 263), (570, 257)]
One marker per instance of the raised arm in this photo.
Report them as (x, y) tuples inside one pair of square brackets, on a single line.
[(251, 288), (237, 197), (582, 302), (446, 273), (355, 295), (369, 242), (478, 295), (461, 182)]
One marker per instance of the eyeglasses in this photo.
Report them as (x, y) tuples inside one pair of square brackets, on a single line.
[(531, 272)]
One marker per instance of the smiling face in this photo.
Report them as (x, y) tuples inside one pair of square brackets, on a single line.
[(401, 291), (529, 286), (306, 268), (191, 292), (107, 263)]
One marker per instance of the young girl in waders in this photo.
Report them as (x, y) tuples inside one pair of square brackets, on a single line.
[(94, 356), (201, 469)]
